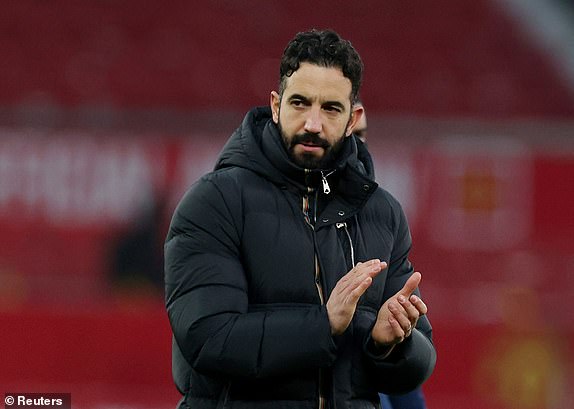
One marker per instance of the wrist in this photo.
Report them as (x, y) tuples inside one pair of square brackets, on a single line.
[(381, 350)]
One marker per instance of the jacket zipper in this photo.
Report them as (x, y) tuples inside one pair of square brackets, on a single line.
[(326, 187), (322, 298), (311, 220)]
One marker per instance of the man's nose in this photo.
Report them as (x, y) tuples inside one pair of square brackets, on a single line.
[(314, 123)]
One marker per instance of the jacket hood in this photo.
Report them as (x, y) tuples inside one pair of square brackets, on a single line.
[(257, 145)]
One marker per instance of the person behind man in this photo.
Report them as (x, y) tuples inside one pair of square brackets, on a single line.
[(288, 282), (414, 399)]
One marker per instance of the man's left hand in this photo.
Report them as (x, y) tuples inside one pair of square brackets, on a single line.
[(399, 315)]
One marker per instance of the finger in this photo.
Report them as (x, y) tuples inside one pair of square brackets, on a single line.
[(359, 290), (401, 316), (419, 304), (356, 276), (398, 331), (409, 331), (374, 263), (360, 283), (411, 284), (347, 279), (411, 310)]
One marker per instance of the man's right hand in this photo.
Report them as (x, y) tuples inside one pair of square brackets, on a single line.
[(343, 300)]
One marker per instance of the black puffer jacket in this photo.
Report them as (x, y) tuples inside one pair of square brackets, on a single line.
[(254, 250)]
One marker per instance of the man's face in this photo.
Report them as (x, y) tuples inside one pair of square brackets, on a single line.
[(314, 114)]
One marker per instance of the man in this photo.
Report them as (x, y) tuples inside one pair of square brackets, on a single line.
[(288, 283), (414, 399)]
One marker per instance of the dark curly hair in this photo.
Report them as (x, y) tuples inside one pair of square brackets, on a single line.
[(324, 48)]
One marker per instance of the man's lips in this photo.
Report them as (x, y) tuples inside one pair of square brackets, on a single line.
[(309, 147)]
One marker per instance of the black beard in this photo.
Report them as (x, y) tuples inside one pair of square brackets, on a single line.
[(308, 160)]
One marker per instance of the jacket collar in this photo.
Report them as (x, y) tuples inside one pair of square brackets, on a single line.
[(258, 146), (305, 179)]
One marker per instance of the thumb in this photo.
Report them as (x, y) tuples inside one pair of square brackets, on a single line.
[(411, 284)]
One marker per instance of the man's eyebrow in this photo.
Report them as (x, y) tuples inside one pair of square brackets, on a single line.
[(334, 104), (297, 97)]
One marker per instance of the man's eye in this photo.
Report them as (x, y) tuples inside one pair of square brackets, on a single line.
[(332, 109)]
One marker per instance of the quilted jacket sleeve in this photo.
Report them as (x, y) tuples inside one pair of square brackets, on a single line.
[(412, 361), (207, 299)]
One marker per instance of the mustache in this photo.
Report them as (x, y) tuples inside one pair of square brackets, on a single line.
[(310, 139)]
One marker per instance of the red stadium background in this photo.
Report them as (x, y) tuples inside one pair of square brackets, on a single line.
[(108, 112)]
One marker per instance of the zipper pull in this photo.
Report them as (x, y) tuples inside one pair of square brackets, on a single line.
[(326, 187)]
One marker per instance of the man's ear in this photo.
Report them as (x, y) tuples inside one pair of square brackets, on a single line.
[(357, 113), (274, 102)]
